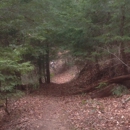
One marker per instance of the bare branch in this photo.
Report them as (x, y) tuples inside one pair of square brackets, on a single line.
[(115, 56)]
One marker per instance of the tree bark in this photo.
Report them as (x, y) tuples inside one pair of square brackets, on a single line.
[(47, 63), (122, 45), (104, 92), (118, 80), (97, 64), (6, 106), (40, 69), (44, 69)]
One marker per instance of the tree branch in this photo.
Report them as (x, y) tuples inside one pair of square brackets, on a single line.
[(115, 56)]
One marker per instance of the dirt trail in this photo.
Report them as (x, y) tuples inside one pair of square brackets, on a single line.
[(45, 109), (53, 107), (54, 116), (65, 76)]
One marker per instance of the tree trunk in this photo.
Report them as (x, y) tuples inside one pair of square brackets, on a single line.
[(118, 80), (47, 64), (112, 68), (123, 57), (44, 69), (6, 106), (106, 91), (40, 70), (97, 64), (122, 45)]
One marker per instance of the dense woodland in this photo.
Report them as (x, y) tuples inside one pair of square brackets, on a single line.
[(32, 32), (95, 33)]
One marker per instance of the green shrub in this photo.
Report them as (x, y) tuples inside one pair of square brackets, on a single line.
[(119, 90)]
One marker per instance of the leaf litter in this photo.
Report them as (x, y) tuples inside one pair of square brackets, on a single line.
[(54, 108)]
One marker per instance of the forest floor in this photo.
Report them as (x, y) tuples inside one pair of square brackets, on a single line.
[(54, 107)]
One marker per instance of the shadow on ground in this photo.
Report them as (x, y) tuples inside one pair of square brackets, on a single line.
[(57, 90)]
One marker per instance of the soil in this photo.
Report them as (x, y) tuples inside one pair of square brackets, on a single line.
[(44, 109), (54, 107)]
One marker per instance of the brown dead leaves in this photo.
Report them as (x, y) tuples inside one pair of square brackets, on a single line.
[(99, 114), (45, 110)]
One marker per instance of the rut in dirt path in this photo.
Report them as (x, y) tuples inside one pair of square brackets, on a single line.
[(55, 116)]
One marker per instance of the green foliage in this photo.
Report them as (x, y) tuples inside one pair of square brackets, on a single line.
[(101, 85), (81, 27), (119, 90), (11, 69)]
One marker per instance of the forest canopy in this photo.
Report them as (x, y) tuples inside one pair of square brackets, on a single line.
[(32, 32)]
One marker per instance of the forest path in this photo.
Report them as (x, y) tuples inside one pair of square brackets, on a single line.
[(54, 107), (52, 120), (66, 76), (54, 116), (44, 109)]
